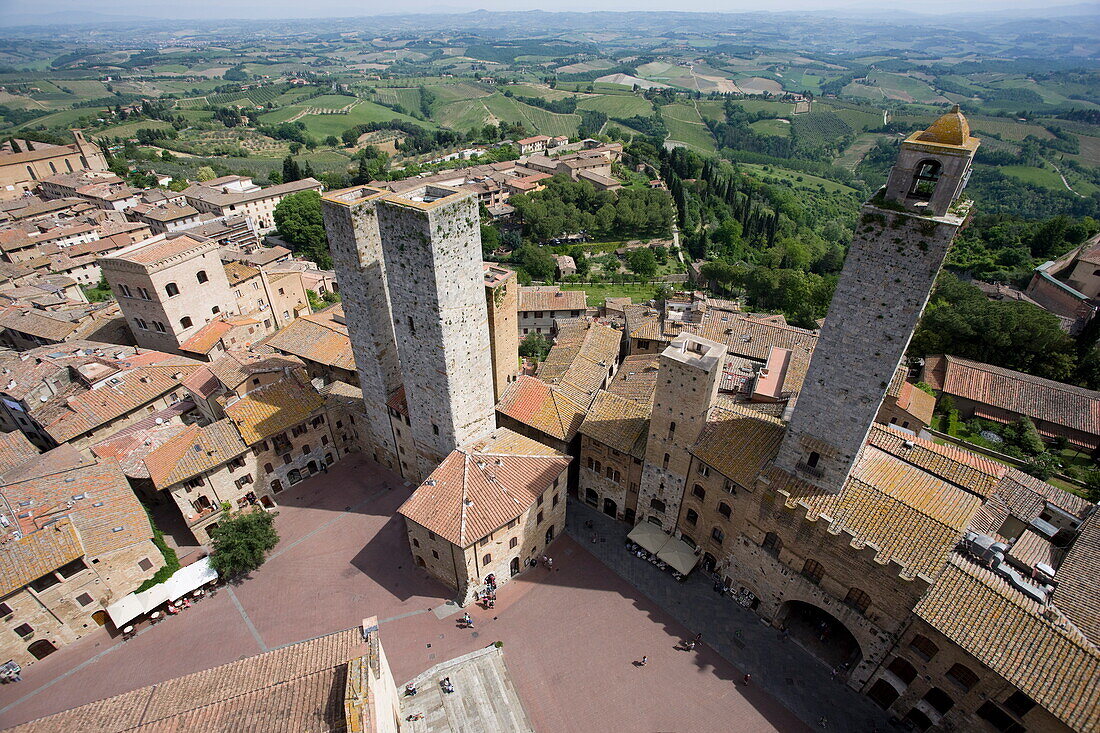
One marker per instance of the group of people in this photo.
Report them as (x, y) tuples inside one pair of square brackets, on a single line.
[(488, 597), (10, 672)]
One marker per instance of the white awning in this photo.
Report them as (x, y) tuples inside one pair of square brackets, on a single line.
[(125, 610), (189, 578), (679, 555), (648, 536)]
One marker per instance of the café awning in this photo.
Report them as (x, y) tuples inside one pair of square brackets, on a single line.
[(679, 555), (648, 536), (125, 610), (182, 582), (190, 578)]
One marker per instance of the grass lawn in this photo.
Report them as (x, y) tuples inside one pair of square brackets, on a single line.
[(1045, 177), (321, 126), (808, 181), (597, 293), (618, 105)]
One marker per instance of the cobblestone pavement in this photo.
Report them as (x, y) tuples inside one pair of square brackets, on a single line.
[(799, 681)]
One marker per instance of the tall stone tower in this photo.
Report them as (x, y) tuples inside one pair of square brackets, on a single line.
[(502, 303), (688, 376), (351, 221), (431, 239), (900, 243)]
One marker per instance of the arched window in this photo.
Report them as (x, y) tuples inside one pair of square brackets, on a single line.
[(53, 168), (69, 165), (858, 600), (691, 517), (698, 492), (171, 289), (591, 463), (486, 560), (812, 571), (724, 509), (599, 467), (31, 172), (656, 505), (939, 700), (186, 322), (772, 544), (671, 429), (962, 676), (415, 542), (925, 179), (201, 276), (717, 535), (903, 670), (924, 646), (664, 463)]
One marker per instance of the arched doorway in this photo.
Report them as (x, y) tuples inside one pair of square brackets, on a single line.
[(883, 694), (591, 498), (514, 566), (821, 634), (312, 467), (709, 562), (629, 516), (41, 649), (266, 502), (549, 534), (610, 508), (100, 618), (294, 476)]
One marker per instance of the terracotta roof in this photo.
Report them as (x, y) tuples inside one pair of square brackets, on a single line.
[(1033, 647), (756, 437), (269, 410), (195, 450), (963, 468), (296, 689), (548, 409), (202, 383), (217, 197), (238, 272), (483, 485), (106, 516), (1023, 394), (754, 337), (582, 356), (15, 449), (236, 366), (36, 322), (398, 401), (317, 337), (1078, 592), (154, 251), (203, 340), (618, 422), (542, 298), (637, 378)]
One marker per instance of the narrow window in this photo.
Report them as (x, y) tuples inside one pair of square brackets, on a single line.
[(171, 289)]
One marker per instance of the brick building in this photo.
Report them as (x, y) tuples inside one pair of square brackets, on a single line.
[(21, 169)]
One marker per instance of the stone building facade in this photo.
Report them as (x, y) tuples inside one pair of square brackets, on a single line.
[(501, 301)]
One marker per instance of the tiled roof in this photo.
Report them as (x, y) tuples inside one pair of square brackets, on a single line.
[(1024, 497), (155, 251), (269, 410), (637, 378), (317, 337), (618, 422), (35, 322), (217, 197), (756, 437), (582, 355), (1023, 394), (483, 485), (545, 408), (1032, 647), (754, 338), (296, 689), (541, 298), (236, 366), (106, 517), (1078, 590), (15, 449), (238, 272), (398, 401), (193, 451), (969, 470), (203, 340), (202, 382)]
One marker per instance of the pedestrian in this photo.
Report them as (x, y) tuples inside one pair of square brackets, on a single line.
[(644, 660), (698, 637), (550, 563), (747, 678)]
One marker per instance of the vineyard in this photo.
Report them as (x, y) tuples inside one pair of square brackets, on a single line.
[(820, 130), (258, 96)]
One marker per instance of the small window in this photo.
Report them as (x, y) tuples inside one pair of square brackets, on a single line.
[(903, 670), (962, 676), (724, 509), (813, 459), (671, 430), (704, 470), (555, 501), (84, 599), (664, 463), (24, 630), (1019, 703), (216, 310), (538, 501), (435, 554), (813, 571), (939, 700), (5, 610), (268, 468), (999, 719), (486, 560), (415, 542), (435, 429), (201, 276), (186, 322), (924, 647), (513, 542), (172, 290), (691, 517), (538, 519), (698, 492), (656, 505), (858, 600), (717, 535)]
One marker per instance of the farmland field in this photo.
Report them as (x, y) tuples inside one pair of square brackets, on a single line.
[(321, 126), (778, 127), (618, 105), (685, 126), (464, 115), (1046, 177), (807, 181)]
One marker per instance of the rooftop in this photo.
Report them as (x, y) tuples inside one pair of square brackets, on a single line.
[(267, 411)]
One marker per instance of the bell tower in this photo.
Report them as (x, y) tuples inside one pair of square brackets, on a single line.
[(900, 242)]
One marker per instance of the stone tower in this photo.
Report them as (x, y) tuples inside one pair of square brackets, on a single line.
[(901, 240), (351, 221), (502, 303), (431, 239), (688, 376)]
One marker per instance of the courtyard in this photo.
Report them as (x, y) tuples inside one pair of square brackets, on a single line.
[(570, 635)]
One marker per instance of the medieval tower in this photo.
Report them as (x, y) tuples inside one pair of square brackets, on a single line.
[(409, 266), (900, 243), (351, 221), (687, 386)]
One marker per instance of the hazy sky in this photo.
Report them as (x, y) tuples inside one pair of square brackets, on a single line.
[(345, 8)]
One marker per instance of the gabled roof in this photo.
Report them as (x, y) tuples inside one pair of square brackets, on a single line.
[(1043, 399), (15, 449), (1078, 590), (318, 337), (194, 451), (618, 422), (269, 410), (548, 409), (483, 485), (637, 378), (756, 437), (543, 298)]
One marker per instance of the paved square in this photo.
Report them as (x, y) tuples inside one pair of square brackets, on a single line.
[(569, 636)]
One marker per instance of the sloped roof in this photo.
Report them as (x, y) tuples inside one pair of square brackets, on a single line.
[(1044, 399), (637, 378), (542, 298), (317, 337), (756, 437), (544, 407), (269, 410), (238, 272), (1078, 591), (15, 449), (582, 355), (294, 689), (483, 485), (194, 451), (618, 422), (1032, 647)]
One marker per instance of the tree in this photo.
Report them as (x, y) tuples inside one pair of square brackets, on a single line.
[(316, 302), (241, 543), (291, 171), (332, 141), (298, 219), (490, 240), (205, 173), (1028, 438), (534, 346), (537, 261), (642, 262)]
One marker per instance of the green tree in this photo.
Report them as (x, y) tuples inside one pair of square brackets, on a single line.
[(534, 346), (291, 171), (100, 292), (298, 219), (490, 240), (536, 261), (316, 302), (1028, 438), (332, 141), (241, 543), (642, 262), (205, 173)]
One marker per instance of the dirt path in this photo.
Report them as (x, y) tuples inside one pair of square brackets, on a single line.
[(1064, 181)]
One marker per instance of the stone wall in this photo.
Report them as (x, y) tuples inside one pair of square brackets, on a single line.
[(623, 492), (500, 304)]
